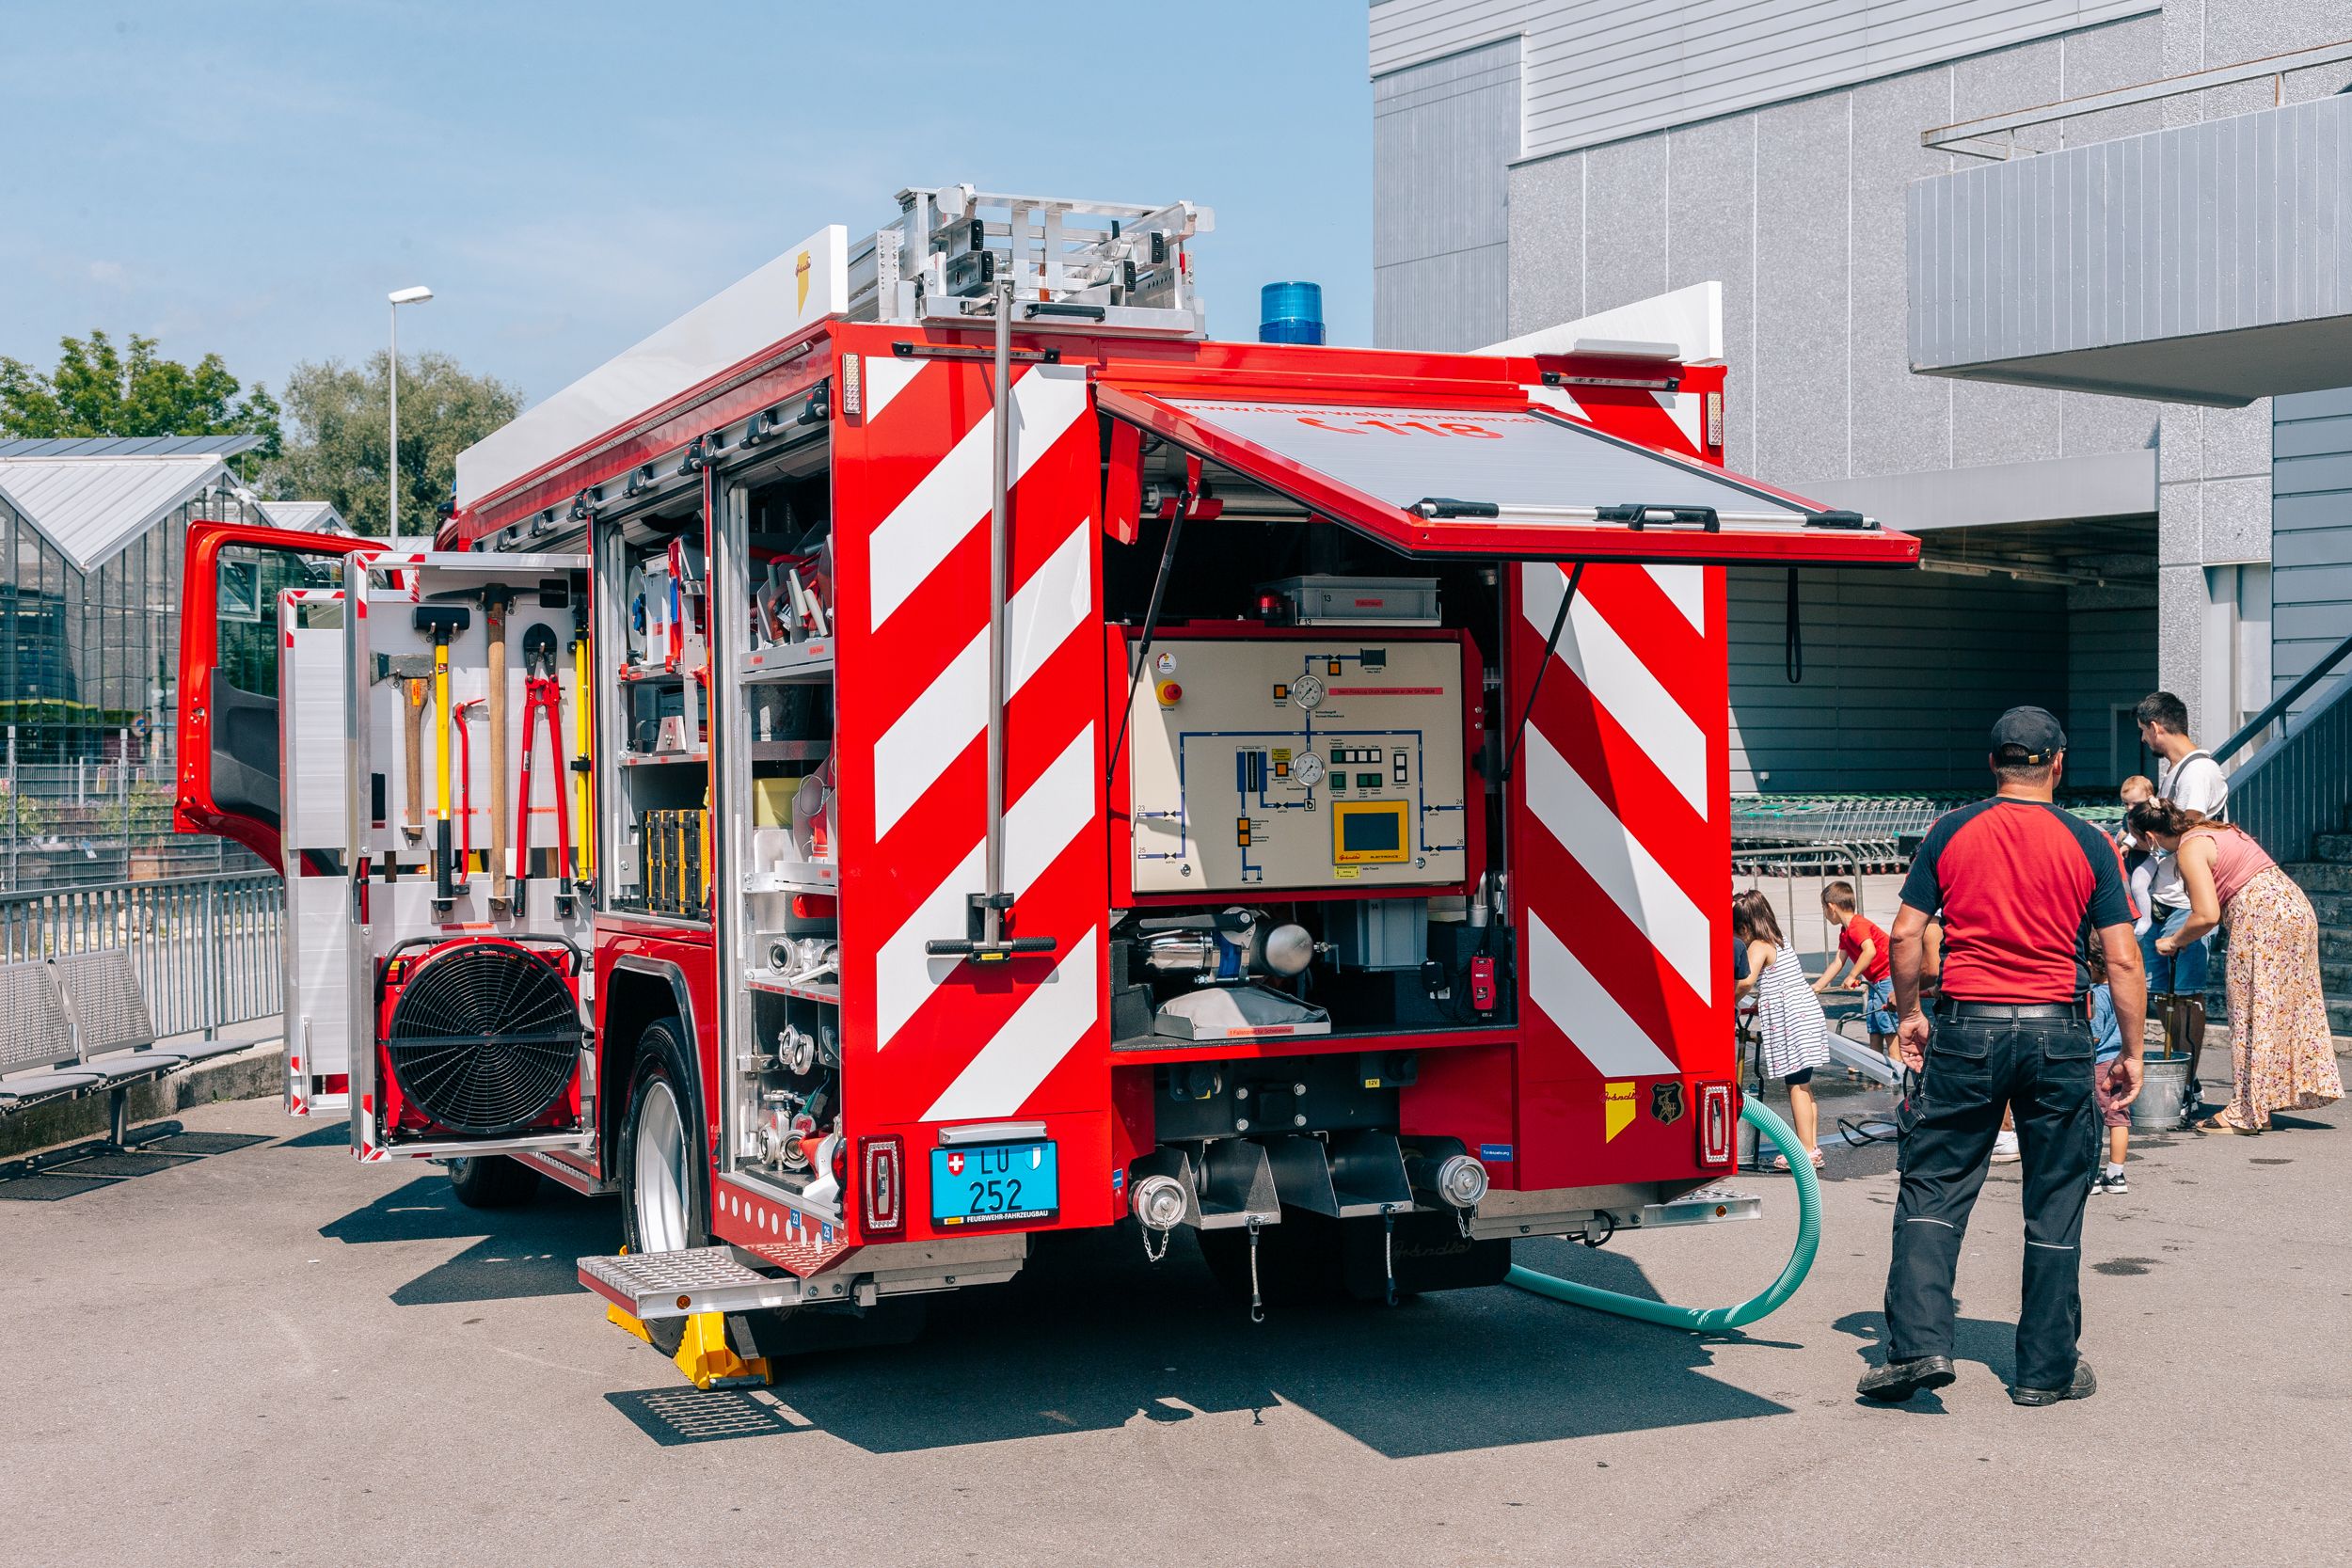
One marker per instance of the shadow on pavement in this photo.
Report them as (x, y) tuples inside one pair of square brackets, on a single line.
[(1090, 1337), (1987, 1342), (530, 1251)]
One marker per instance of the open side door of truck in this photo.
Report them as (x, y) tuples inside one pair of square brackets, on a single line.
[(230, 651), (465, 928)]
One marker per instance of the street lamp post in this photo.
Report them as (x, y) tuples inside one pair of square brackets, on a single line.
[(398, 297)]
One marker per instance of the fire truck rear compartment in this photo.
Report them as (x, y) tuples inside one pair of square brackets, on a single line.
[(1297, 676), (1311, 744)]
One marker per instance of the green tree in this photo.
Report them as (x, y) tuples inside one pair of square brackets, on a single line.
[(337, 416), (98, 389)]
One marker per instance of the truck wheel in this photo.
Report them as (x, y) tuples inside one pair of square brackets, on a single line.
[(492, 1181), (664, 1176), (664, 1180)]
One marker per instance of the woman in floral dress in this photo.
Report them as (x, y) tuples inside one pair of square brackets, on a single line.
[(2279, 1037)]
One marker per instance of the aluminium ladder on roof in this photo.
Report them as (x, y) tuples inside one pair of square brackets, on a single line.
[(1108, 267)]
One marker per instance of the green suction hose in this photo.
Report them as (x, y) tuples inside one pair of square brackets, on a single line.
[(1706, 1320)]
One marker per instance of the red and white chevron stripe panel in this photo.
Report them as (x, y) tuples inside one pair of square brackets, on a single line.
[(1668, 420), (939, 1040), (1621, 843)]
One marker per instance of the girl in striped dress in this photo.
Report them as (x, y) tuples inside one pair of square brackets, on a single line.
[(1790, 1027)]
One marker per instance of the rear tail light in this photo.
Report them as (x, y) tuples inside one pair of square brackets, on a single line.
[(881, 1183), (1716, 1118)]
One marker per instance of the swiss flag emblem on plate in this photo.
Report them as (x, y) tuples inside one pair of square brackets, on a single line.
[(955, 1165)]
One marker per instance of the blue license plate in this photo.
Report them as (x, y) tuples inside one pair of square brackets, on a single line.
[(994, 1184)]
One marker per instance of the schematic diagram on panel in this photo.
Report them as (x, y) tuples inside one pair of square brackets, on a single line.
[(1299, 763)]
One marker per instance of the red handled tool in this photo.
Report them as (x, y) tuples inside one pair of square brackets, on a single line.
[(542, 693), (465, 785)]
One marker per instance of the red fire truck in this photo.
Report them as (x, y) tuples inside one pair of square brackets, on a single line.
[(988, 759)]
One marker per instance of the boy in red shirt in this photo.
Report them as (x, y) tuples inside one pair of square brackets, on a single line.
[(1864, 945)]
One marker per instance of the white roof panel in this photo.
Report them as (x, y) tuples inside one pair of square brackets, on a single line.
[(804, 284), (90, 507)]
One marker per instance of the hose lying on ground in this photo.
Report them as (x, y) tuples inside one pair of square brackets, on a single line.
[(1701, 1320)]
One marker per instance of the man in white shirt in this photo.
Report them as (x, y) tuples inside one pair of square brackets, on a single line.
[(2189, 778)]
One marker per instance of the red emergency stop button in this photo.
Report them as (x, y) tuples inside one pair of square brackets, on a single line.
[(1170, 693)]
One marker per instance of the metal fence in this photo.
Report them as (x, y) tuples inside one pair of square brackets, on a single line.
[(90, 821), (206, 948)]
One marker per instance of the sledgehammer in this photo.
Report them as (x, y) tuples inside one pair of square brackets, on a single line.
[(441, 622), (412, 671)]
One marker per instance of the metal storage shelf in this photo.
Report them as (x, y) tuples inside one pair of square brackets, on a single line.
[(790, 751), (793, 661), (656, 759), (638, 674), (795, 876), (814, 990)]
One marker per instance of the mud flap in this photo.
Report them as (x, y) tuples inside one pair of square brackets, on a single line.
[(1428, 1251)]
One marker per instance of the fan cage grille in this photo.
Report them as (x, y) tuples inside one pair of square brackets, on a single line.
[(485, 1038)]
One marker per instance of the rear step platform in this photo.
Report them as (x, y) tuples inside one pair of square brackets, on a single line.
[(649, 1285)]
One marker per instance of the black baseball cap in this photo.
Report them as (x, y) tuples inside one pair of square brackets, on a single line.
[(2029, 735)]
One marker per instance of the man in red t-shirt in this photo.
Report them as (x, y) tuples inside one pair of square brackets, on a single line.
[(1861, 943), (2024, 890)]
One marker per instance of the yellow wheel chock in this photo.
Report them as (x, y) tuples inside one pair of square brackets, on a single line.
[(703, 1354)]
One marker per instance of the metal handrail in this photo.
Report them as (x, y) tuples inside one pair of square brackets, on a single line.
[(2279, 705), (1949, 137)]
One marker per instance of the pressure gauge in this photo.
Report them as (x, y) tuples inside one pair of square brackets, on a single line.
[(1306, 771), (1307, 692)]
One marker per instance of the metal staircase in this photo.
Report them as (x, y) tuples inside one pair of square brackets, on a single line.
[(2294, 796)]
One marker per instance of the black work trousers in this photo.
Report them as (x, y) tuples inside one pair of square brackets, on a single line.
[(2042, 1068)]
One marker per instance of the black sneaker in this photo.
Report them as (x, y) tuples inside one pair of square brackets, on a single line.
[(2082, 1388), (2098, 1183), (1899, 1380), (2115, 1184)]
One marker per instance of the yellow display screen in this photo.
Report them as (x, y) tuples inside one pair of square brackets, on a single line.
[(1368, 832)]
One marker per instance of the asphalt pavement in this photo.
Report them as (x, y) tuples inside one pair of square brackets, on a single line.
[(246, 1347)]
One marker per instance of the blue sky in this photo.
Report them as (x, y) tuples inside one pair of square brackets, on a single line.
[(251, 179)]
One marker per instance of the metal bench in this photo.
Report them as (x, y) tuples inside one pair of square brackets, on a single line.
[(38, 1058), (79, 1025)]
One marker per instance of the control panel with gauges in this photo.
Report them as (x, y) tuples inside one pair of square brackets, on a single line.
[(1330, 760)]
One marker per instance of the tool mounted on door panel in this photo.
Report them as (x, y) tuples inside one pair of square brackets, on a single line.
[(498, 601), (542, 694), (415, 674), (442, 622)]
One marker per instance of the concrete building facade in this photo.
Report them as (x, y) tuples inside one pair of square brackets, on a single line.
[(1539, 160)]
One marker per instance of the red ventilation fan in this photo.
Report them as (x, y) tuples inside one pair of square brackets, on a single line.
[(480, 1037)]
